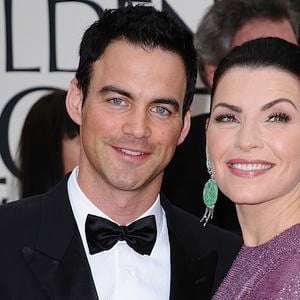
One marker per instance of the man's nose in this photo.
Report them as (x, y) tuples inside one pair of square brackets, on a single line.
[(137, 125)]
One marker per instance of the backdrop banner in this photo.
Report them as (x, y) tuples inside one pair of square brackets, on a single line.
[(39, 42)]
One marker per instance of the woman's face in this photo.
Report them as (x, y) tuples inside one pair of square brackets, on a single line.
[(253, 136)]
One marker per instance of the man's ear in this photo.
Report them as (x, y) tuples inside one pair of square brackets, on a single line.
[(74, 102), (186, 127), (209, 70)]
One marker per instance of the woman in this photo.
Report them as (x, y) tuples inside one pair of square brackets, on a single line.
[(49, 145), (253, 146)]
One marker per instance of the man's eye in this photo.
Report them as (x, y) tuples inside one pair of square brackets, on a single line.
[(161, 110), (226, 118), (117, 101)]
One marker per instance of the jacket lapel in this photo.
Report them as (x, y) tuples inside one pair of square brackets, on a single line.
[(192, 271), (58, 259), (59, 263)]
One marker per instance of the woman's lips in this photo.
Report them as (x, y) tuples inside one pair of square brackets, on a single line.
[(249, 168)]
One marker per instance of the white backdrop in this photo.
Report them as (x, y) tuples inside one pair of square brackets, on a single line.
[(30, 62)]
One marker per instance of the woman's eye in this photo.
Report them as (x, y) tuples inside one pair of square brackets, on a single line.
[(278, 117), (117, 101), (161, 110), (226, 118)]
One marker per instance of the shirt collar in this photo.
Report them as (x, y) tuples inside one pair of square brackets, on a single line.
[(82, 206)]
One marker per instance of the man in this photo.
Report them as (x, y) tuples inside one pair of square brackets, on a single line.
[(226, 24), (131, 97)]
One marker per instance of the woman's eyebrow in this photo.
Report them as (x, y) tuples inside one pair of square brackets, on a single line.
[(229, 106), (274, 102)]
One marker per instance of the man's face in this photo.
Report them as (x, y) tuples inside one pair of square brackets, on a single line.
[(131, 121)]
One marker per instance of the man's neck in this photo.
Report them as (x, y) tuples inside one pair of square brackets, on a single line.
[(121, 206)]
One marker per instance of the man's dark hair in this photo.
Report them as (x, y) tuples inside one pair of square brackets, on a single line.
[(139, 25), (259, 54)]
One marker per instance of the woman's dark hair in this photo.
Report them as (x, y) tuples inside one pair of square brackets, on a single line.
[(40, 148), (261, 53), (140, 25)]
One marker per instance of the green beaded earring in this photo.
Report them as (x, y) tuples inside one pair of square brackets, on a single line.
[(210, 195)]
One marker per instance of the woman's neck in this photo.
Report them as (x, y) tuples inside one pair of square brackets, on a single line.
[(261, 222)]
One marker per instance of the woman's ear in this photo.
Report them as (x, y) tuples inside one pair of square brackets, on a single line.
[(74, 102), (206, 126)]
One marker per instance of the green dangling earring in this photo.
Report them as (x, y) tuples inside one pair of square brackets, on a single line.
[(210, 195)]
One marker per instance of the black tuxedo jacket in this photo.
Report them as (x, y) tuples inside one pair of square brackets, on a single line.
[(42, 255)]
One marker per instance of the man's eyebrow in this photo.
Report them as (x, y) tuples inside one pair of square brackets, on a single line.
[(274, 102), (229, 106), (111, 88)]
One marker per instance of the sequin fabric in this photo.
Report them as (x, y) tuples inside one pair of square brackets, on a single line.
[(266, 272)]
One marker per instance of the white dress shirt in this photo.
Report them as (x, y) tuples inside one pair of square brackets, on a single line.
[(121, 273)]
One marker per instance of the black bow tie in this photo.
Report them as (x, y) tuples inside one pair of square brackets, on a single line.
[(103, 234)]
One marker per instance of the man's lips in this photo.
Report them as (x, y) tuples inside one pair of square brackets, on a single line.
[(131, 152)]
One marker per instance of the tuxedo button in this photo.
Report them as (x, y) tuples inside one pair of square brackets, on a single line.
[(200, 280)]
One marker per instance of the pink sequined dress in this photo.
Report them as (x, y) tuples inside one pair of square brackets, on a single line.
[(266, 272)]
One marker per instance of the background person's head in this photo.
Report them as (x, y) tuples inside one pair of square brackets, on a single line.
[(142, 26), (49, 145), (263, 53), (229, 23)]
